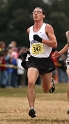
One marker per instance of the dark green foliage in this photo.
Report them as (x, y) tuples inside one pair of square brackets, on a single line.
[(16, 17)]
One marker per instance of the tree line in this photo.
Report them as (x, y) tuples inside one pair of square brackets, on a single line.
[(16, 17)]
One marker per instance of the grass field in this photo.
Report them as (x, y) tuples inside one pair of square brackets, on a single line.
[(50, 108)]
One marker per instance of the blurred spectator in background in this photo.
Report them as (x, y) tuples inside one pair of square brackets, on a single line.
[(3, 70), (12, 74), (14, 44), (15, 53), (14, 56), (9, 70), (2, 46), (20, 71)]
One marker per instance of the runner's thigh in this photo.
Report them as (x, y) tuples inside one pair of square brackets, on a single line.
[(33, 74)]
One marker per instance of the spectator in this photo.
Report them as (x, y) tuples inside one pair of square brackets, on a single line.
[(14, 81), (3, 71), (20, 71), (9, 70)]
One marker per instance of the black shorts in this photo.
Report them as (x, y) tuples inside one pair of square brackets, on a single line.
[(44, 65)]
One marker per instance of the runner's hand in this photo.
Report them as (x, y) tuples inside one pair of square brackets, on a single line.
[(56, 54), (24, 55), (37, 38)]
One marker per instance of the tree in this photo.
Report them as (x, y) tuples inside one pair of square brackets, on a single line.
[(58, 17), (16, 17)]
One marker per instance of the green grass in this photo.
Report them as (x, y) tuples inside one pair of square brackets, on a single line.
[(61, 88), (51, 108), (22, 92)]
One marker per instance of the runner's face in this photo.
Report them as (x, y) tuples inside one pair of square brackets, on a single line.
[(37, 14)]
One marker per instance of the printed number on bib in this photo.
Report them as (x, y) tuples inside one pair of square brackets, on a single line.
[(37, 48)]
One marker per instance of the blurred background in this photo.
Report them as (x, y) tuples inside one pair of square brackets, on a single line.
[(15, 18)]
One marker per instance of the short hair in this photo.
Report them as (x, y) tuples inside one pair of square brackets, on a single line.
[(43, 11)]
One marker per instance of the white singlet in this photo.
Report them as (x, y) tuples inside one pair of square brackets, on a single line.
[(37, 49)]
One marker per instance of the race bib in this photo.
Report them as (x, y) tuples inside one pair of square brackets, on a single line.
[(37, 48)]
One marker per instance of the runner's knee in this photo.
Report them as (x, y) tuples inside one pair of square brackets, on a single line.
[(30, 82)]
